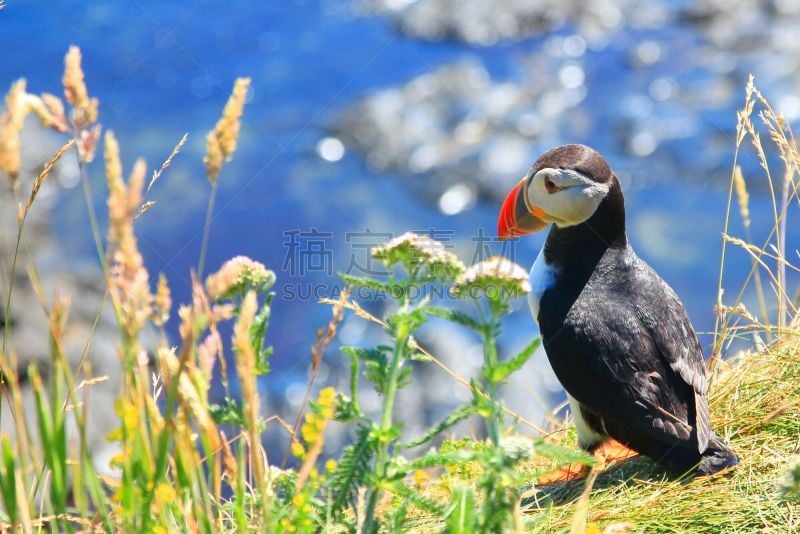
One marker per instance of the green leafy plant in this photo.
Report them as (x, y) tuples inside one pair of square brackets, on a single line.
[(422, 261)]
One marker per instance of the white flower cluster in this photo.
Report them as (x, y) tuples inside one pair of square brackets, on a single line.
[(415, 250), (237, 274), (497, 275)]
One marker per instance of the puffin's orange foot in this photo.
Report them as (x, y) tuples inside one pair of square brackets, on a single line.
[(564, 474), (607, 453), (611, 451)]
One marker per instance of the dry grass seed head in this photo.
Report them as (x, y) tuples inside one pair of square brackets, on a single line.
[(742, 195), (246, 370), (221, 141), (196, 403), (74, 85), (85, 109), (207, 354), (87, 142), (37, 184), (231, 465), (56, 117), (145, 206), (130, 282), (245, 355), (50, 111), (113, 164), (162, 303), (10, 125), (325, 336), (168, 364)]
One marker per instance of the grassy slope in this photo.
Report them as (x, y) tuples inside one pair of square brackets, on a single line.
[(755, 405)]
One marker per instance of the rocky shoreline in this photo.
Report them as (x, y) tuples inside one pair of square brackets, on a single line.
[(459, 131)]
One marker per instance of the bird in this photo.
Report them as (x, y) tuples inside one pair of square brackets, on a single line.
[(615, 333)]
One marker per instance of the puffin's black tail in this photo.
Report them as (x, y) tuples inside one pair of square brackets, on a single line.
[(717, 456)]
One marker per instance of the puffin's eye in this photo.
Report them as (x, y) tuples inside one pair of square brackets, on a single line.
[(550, 186)]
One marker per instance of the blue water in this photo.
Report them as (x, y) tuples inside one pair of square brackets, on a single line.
[(164, 68)]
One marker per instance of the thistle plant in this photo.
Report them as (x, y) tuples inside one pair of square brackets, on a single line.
[(423, 261), (495, 281), (489, 286)]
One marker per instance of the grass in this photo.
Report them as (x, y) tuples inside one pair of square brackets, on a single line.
[(185, 463)]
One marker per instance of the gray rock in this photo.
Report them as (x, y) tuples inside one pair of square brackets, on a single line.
[(484, 22)]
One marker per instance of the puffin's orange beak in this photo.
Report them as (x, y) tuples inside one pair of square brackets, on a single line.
[(515, 218)]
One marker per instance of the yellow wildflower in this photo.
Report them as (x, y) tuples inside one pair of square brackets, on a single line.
[(298, 450), (309, 433), (118, 460), (165, 493), (130, 416), (114, 435), (327, 398)]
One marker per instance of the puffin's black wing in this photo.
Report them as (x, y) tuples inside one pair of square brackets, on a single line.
[(625, 349), (676, 341)]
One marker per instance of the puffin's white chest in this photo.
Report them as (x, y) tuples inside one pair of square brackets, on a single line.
[(543, 276), (587, 437)]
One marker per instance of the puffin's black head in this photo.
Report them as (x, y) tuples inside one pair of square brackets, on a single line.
[(566, 186)]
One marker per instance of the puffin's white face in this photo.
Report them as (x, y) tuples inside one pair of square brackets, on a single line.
[(569, 185), (564, 197)]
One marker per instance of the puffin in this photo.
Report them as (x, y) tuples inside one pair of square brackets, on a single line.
[(617, 336)]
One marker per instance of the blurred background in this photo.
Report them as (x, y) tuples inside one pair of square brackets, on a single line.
[(381, 116)]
